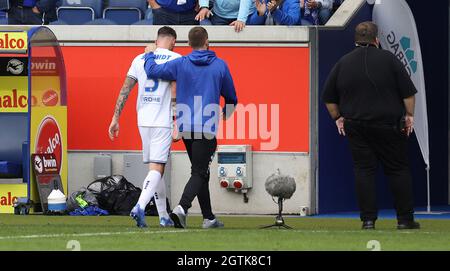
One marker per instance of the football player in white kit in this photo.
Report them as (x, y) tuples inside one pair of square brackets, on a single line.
[(154, 116)]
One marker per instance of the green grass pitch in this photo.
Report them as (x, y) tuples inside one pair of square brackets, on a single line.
[(241, 233)]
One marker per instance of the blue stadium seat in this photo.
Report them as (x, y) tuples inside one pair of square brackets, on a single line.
[(101, 22), (12, 139), (142, 5), (10, 169), (75, 15), (3, 17), (122, 16), (96, 5), (144, 22)]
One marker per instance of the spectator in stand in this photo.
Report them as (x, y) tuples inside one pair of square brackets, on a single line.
[(33, 12), (315, 12), (226, 12), (276, 12), (173, 12)]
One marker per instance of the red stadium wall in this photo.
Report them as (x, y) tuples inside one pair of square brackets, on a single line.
[(262, 75)]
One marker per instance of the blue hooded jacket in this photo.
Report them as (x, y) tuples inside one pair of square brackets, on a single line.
[(201, 78)]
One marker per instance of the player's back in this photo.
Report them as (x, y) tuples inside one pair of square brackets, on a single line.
[(154, 96)]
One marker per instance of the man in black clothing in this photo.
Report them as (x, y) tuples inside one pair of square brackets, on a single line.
[(32, 12), (371, 97)]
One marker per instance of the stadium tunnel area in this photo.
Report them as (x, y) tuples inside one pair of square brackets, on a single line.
[(271, 65)]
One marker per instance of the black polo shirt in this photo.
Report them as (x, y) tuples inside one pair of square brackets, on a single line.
[(369, 84)]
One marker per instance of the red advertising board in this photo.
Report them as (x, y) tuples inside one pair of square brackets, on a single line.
[(274, 80)]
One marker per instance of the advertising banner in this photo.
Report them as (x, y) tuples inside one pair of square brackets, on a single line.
[(398, 34), (49, 136), (272, 85), (46, 171), (14, 85), (8, 194), (14, 42)]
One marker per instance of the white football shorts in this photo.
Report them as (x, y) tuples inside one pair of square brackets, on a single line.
[(156, 143)]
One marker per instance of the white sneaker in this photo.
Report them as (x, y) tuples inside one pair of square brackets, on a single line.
[(215, 223)]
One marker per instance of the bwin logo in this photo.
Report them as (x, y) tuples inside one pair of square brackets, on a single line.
[(151, 85), (402, 50)]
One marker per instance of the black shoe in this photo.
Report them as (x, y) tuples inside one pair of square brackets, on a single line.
[(368, 225), (408, 225)]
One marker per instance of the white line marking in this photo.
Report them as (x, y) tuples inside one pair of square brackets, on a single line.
[(366, 231), (62, 235), (90, 234)]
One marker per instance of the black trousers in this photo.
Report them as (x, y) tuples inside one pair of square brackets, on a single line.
[(373, 143), (24, 15), (21, 16), (200, 149), (161, 16)]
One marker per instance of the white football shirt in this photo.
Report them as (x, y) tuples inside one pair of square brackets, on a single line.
[(154, 97)]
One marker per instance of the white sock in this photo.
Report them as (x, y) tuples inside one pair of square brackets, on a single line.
[(148, 188), (160, 199)]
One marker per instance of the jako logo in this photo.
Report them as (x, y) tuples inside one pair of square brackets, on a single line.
[(49, 140), (402, 50)]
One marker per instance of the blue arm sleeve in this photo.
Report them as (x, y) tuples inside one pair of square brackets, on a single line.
[(228, 91), (289, 14), (245, 7), (203, 3), (166, 71)]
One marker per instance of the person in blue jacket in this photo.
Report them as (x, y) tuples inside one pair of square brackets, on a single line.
[(202, 78), (33, 12), (276, 12)]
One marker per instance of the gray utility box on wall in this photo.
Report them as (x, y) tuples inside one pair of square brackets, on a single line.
[(135, 171)]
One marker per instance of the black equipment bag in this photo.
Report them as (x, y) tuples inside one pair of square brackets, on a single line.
[(118, 196)]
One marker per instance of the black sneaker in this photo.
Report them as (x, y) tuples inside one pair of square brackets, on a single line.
[(408, 225), (368, 225), (178, 217)]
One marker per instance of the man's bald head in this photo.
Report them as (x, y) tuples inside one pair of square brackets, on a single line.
[(366, 33)]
